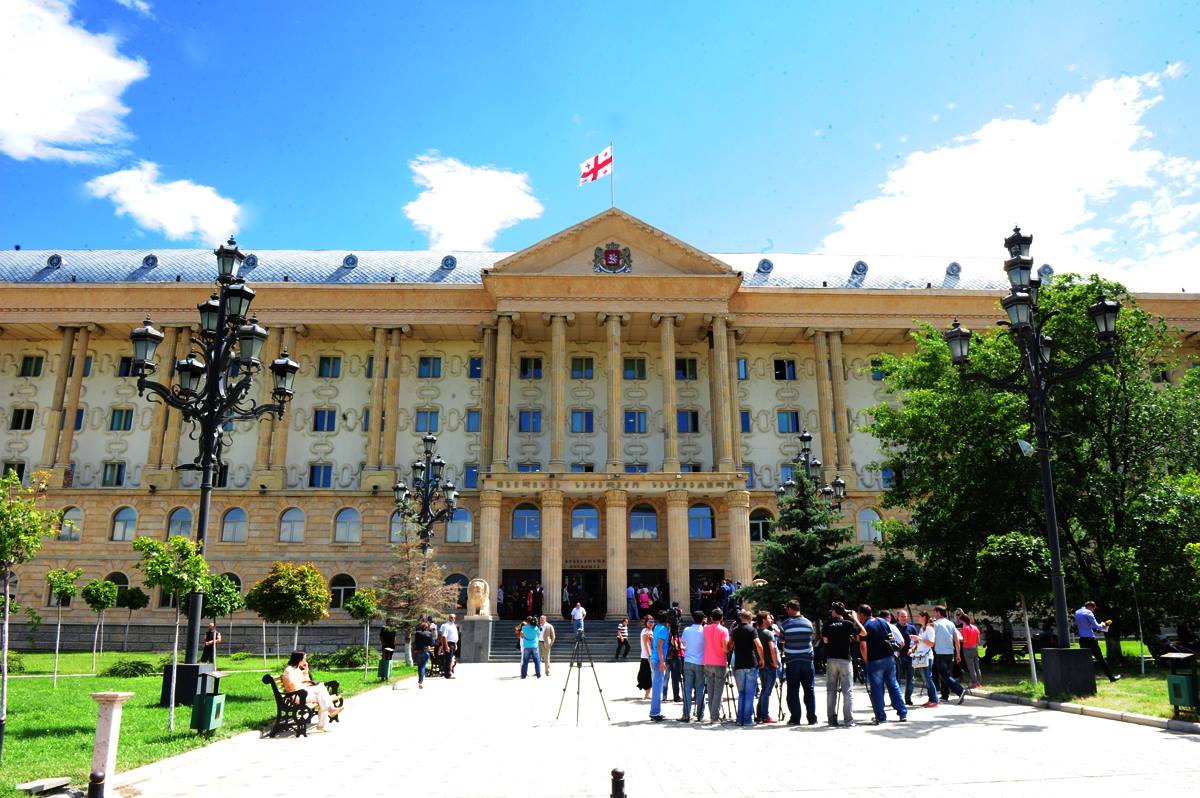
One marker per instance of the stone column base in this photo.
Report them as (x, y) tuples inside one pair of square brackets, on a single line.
[(268, 479), (55, 475), (160, 478), (475, 638), (381, 480)]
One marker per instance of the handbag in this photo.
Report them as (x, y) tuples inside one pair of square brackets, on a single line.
[(921, 657)]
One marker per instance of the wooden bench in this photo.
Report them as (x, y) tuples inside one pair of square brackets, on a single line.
[(294, 710)]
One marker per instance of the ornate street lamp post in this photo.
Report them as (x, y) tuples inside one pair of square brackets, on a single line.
[(1036, 377), (832, 494), (214, 387), (420, 505)]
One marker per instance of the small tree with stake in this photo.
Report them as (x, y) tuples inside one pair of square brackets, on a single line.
[(1019, 564), (131, 599), (100, 595), (221, 598), (363, 606), (63, 587), (290, 593)]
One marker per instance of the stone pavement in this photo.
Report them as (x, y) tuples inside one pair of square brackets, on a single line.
[(486, 733)]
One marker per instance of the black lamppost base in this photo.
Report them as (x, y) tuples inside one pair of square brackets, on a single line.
[(187, 678), (1068, 672)]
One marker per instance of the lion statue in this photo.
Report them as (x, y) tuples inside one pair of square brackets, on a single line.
[(478, 597)]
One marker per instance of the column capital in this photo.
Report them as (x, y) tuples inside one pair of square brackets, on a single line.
[(405, 329), (511, 315), (677, 497), (601, 318), (548, 318), (675, 319), (738, 333), (489, 498), (552, 498), (813, 331), (738, 498), (614, 498), (728, 318)]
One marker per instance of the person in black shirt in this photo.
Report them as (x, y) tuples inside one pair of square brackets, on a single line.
[(211, 638), (877, 649), (387, 642), (904, 666), (839, 634), (770, 668), (747, 659), (423, 640)]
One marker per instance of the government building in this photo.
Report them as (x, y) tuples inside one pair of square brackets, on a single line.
[(616, 405)]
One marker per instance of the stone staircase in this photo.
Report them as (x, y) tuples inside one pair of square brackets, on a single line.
[(601, 639)]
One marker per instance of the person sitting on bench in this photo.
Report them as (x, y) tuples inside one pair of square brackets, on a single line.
[(295, 677)]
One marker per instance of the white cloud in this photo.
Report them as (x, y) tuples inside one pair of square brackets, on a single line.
[(179, 209), (465, 207), (140, 6), (1085, 182), (61, 94)]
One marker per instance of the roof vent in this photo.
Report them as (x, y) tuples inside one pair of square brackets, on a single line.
[(953, 270), (860, 269), (1045, 270), (54, 261), (250, 262), (150, 261), (350, 261), (765, 266), (449, 262)]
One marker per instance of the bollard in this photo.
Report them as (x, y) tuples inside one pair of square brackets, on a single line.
[(618, 783), (108, 731), (96, 785)]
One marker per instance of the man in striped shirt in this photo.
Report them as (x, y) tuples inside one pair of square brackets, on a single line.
[(798, 664)]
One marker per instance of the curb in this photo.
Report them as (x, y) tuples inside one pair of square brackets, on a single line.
[(1166, 724)]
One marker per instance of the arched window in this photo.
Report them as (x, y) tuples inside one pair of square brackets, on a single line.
[(585, 522), (701, 522), (347, 527), (342, 586), (643, 523), (119, 579), (291, 526), (124, 524), (868, 526), (233, 526), (760, 525), (396, 528), (458, 530), (232, 577), (526, 523), (179, 523), (460, 580), (72, 524)]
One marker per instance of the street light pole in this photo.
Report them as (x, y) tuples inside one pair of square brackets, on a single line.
[(832, 494), (418, 505)]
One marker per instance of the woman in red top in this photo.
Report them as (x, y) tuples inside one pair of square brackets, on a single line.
[(970, 651)]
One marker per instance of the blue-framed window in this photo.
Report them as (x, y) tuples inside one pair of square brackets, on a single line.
[(320, 475), (526, 522), (470, 476), (636, 468), (329, 367), (124, 367), (427, 421), (701, 522), (785, 369), (529, 468), (685, 368), (888, 478), (788, 421), (743, 369), (473, 417), (529, 421), (530, 368), (582, 421), (749, 470), (324, 419), (634, 368), (877, 370), (585, 522), (371, 366), (121, 420), (744, 418), (582, 368), (582, 468), (429, 367), (787, 471), (475, 368), (690, 468), (635, 422), (687, 421), (113, 475)]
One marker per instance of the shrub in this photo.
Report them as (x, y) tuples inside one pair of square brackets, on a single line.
[(16, 663), (349, 658), (129, 669), (164, 662)]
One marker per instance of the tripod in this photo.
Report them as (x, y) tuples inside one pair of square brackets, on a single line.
[(577, 653), (729, 700)]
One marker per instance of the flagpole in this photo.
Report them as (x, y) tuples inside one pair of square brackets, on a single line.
[(612, 180)]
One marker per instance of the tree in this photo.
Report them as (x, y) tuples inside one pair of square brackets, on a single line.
[(290, 593), (1018, 564), (62, 588), (131, 599), (363, 606), (963, 480), (413, 589), (221, 598), (177, 568), (100, 595), (807, 558), (24, 521)]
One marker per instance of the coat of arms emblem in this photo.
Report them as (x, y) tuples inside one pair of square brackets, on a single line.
[(612, 258)]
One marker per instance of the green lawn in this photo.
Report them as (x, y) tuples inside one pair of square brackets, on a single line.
[(80, 662), (1146, 695), (50, 731)]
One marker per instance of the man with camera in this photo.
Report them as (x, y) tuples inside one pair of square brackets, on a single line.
[(839, 634)]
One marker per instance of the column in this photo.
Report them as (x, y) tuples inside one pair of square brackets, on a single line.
[(666, 324), (735, 404), (391, 401), (156, 474), (487, 400), (170, 447), (552, 549), (616, 534), (740, 565), (76, 385), (266, 425), (724, 445), (489, 541), (843, 460), (613, 322), (55, 423), (374, 430), (825, 407), (558, 388), (504, 333), (679, 574), (279, 438)]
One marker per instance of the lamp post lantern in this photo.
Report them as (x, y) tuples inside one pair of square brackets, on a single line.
[(213, 386), (832, 494), (430, 501)]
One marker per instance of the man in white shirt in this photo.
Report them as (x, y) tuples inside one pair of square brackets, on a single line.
[(577, 616), (947, 649), (449, 630)]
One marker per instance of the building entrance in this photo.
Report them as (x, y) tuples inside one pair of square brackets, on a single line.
[(521, 596), (588, 588), (649, 578), (704, 594)]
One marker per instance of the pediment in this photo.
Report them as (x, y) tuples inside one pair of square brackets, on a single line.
[(573, 251)]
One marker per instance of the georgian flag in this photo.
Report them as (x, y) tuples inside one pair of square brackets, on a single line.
[(597, 167)]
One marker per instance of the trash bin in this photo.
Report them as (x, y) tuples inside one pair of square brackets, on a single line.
[(208, 706), (1183, 683), (385, 670)]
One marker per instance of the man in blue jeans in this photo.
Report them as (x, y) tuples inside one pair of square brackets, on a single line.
[(747, 658), (658, 666), (693, 667), (879, 654), (631, 602), (798, 663), (947, 649), (529, 647)]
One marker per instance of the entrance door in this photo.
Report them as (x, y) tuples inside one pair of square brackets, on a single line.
[(517, 586), (589, 588), (650, 578), (705, 582)]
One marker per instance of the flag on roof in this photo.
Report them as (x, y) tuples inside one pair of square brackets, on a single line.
[(596, 167)]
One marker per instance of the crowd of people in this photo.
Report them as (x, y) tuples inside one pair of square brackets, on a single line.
[(431, 642)]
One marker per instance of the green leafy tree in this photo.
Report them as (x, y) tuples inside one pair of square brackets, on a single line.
[(24, 521), (177, 568), (63, 588), (1015, 564), (808, 558), (413, 589), (100, 595), (363, 606), (221, 599), (292, 594), (131, 599)]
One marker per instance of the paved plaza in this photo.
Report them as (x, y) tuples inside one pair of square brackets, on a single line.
[(487, 733)]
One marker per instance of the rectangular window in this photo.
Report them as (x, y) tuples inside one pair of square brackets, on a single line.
[(530, 368), (16, 466), (635, 422), (31, 365), (582, 368), (78, 419), (320, 475), (685, 368), (749, 469), (166, 601), (787, 471), (785, 369), (475, 368), (329, 367), (529, 421), (324, 419), (634, 368), (636, 468), (121, 419), (473, 417), (788, 421), (743, 369), (744, 417), (582, 468), (366, 425), (427, 421), (687, 421), (124, 367), (113, 475), (87, 366), (877, 370), (21, 418), (221, 477), (888, 478), (429, 367), (690, 468), (370, 366), (529, 468), (581, 421), (470, 476)]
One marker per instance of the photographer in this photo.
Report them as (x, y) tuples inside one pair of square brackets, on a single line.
[(838, 635)]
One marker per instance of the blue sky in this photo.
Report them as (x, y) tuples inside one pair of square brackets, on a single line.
[(879, 129)]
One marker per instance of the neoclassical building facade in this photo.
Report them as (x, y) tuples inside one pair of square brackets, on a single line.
[(614, 404)]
